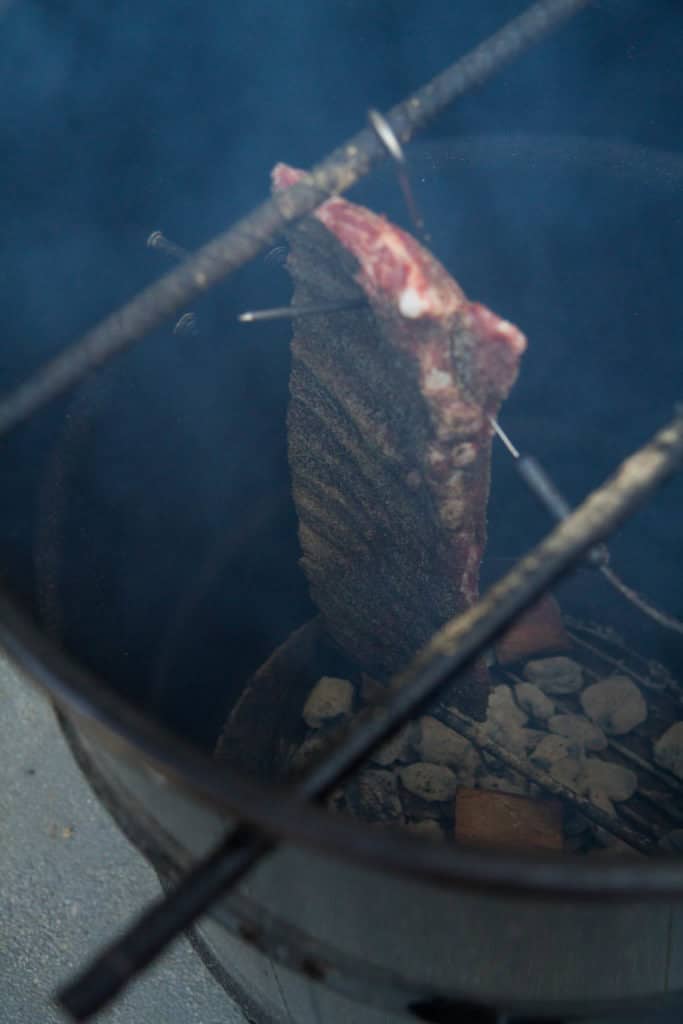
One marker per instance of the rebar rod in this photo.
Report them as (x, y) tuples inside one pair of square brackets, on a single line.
[(453, 647), (240, 243)]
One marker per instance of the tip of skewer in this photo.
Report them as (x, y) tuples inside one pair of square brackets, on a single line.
[(503, 437), (294, 312), (276, 313)]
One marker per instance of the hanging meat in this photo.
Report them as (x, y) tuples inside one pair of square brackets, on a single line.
[(389, 433)]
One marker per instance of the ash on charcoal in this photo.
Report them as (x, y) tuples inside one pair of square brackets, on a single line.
[(668, 749), (438, 744), (429, 782), (582, 733), (502, 707), (534, 702), (555, 675), (428, 827), (614, 780), (533, 737), (329, 701), (603, 803), (373, 796), (513, 737), (400, 748), (467, 771), (552, 749), (505, 721), (615, 704), (510, 782), (418, 809), (566, 770)]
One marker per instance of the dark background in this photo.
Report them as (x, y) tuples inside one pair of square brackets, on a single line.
[(146, 518)]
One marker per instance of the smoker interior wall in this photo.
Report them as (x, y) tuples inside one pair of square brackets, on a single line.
[(147, 519)]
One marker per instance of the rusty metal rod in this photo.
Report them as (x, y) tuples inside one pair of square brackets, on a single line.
[(240, 243), (453, 647)]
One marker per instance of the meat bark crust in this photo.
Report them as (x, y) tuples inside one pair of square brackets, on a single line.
[(388, 433)]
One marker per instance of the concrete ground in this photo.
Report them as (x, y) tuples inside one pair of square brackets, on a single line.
[(69, 880)]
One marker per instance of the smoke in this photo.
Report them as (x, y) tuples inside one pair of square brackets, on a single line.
[(172, 549)]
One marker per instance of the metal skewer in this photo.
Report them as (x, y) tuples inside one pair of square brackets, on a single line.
[(292, 312), (540, 484), (503, 437), (535, 477), (542, 487)]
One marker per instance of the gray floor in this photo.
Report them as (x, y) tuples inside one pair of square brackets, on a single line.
[(69, 880)]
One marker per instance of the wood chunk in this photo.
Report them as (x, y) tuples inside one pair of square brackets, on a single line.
[(501, 819), (539, 631), (330, 699)]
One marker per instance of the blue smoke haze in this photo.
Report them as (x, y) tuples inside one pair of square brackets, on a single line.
[(147, 517)]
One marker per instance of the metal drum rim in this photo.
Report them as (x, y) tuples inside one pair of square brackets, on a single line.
[(273, 809)]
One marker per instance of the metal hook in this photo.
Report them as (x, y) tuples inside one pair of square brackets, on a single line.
[(187, 324), (387, 136), (157, 240)]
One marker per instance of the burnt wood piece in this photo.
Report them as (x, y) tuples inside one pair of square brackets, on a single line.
[(504, 820), (389, 440)]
